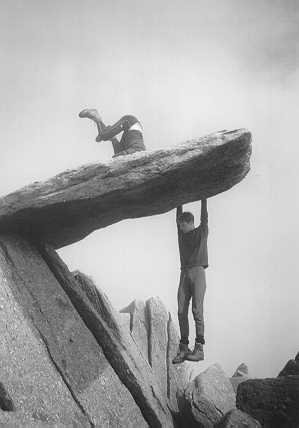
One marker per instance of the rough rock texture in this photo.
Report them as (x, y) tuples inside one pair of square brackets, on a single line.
[(242, 370), (238, 419), (240, 375), (139, 326), (156, 336), (291, 367), (71, 205), (273, 402), (158, 340), (209, 397), (52, 368), (22, 420), (118, 346), (177, 373)]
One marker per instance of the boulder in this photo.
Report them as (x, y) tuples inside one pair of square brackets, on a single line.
[(52, 368), (291, 367), (209, 397), (240, 375), (117, 343), (73, 204), (273, 402), (238, 419)]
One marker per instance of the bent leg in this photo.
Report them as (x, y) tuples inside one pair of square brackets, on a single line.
[(108, 132), (93, 114), (184, 296), (198, 287), (117, 146)]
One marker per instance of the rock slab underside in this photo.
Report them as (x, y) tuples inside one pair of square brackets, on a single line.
[(71, 205)]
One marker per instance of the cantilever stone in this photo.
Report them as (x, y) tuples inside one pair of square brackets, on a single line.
[(73, 204)]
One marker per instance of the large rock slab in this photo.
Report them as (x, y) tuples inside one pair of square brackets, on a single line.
[(71, 205), (119, 347), (209, 397), (273, 402), (52, 368)]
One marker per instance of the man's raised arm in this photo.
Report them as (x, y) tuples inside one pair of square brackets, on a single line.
[(204, 213), (179, 212)]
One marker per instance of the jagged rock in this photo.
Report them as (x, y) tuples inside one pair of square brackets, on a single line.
[(177, 374), (156, 336), (273, 402), (118, 346), (52, 368), (238, 419), (242, 370), (291, 367), (158, 340), (240, 375), (209, 397), (139, 325), (71, 205), (124, 319)]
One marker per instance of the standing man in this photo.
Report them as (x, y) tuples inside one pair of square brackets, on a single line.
[(194, 261)]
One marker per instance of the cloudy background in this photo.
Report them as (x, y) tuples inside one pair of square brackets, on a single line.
[(185, 69)]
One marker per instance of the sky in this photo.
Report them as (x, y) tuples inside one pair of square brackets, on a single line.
[(184, 69)]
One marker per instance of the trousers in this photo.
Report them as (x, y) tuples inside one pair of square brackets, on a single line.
[(192, 285), (131, 142)]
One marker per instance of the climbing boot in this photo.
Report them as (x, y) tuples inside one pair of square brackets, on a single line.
[(91, 113), (182, 354), (197, 354)]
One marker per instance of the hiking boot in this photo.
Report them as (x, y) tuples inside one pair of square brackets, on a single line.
[(197, 354), (90, 113), (182, 354)]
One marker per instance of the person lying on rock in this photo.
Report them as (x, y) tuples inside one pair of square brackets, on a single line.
[(132, 137), (194, 260)]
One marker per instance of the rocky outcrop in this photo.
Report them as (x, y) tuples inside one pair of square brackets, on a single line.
[(291, 368), (117, 344), (67, 357), (273, 402), (52, 368), (238, 419), (240, 375), (71, 205), (156, 336), (209, 397)]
